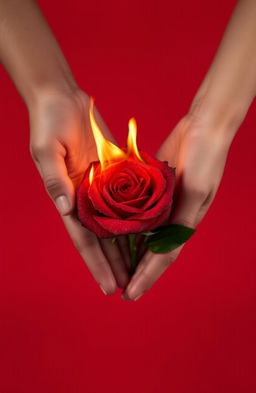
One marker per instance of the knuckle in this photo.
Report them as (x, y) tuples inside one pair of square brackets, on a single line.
[(171, 257), (37, 149), (187, 221), (167, 261), (82, 244), (51, 183), (198, 191), (147, 278), (89, 241), (77, 244), (209, 198), (201, 193), (32, 152)]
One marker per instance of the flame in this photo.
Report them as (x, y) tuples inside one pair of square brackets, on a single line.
[(132, 148), (109, 153), (91, 174)]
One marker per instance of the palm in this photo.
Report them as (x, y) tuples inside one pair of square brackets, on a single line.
[(199, 158), (62, 126), (72, 128)]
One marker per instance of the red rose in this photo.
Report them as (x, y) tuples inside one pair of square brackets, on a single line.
[(129, 196)]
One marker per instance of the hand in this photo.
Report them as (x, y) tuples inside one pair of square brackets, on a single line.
[(199, 155), (62, 146)]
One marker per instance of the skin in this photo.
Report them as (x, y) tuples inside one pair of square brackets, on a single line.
[(61, 139), (62, 143), (199, 144)]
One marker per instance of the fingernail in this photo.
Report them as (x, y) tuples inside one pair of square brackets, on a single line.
[(62, 204), (125, 297), (137, 297), (103, 290)]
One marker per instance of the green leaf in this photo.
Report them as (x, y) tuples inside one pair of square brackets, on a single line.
[(168, 238), (113, 240)]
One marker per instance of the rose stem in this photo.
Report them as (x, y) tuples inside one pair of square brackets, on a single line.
[(133, 252)]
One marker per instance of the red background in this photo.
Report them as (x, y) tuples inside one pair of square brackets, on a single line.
[(195, 330)]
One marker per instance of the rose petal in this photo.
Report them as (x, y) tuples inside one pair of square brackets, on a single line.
[(119, 180), (121, 209), (160, 220), (98, 202), (126, 173), (152, 161), (124, 227), (139, 202), (158, 186), (130, 170), (116, 190), (164, 202), (121, 227), (145, 189), (142, 179), (86, 211)]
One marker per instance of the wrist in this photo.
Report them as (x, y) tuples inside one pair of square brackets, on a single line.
[(216, 116), (203, 121), (64, 86), (47, 95)]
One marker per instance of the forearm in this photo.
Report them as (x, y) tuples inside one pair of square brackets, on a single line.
[(229, 87), (29, 51)]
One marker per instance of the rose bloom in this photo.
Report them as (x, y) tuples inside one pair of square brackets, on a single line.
[(128, 196)]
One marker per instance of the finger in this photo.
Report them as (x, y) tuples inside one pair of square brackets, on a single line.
[(88, 246), (116, 261), (123, 245), (152, 266), (50, 161)]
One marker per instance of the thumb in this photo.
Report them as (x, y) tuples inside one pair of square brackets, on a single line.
[(52, 167)]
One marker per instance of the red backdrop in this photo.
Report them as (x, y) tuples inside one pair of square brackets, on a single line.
[(195, 330)]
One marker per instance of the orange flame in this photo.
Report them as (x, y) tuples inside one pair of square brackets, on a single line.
[(91, 174), (108, 152), (131, 140)]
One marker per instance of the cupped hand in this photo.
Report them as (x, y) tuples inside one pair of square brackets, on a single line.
[(62, 146), (199, 154)]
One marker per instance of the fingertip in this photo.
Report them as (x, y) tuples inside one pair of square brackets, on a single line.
[(111, 290), (125, 297), (109, 287), (135, 288), (64, 205), (103, 290), (128, 293), (131, 296)]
